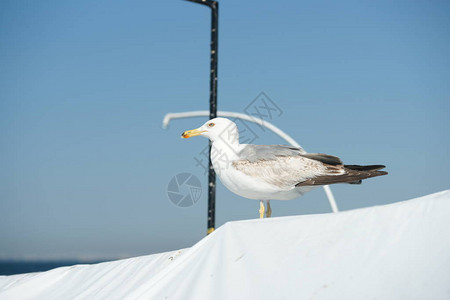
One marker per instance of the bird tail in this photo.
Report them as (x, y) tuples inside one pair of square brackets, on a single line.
[(369, 171), (354, 174), (365, 168)]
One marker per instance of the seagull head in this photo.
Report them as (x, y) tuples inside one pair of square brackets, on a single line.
[(215, 129)]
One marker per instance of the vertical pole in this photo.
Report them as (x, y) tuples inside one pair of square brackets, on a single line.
[(214, 5), (213, 114)]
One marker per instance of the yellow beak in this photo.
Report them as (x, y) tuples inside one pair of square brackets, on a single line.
[(193, 132)]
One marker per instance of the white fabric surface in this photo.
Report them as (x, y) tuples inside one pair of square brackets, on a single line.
[(397, 251)]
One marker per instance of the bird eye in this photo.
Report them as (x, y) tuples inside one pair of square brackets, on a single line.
[(211, 125)]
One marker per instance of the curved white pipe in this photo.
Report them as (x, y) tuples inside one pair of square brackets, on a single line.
[(204, 113)]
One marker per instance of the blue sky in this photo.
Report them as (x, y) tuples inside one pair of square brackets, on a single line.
[(84, 87)]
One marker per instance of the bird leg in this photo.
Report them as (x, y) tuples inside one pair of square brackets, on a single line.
[(261, 209), (268, 209)]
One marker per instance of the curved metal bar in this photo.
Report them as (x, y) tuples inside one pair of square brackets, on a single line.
[(204, 113)]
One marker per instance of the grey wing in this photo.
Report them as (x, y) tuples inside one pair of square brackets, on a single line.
[(284, 166), (283, 172), (287, 167), (324, 158), (255, 153)]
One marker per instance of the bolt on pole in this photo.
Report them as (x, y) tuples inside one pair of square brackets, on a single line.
[(214, 6)]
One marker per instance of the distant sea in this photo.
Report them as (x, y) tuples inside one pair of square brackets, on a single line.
[(20, 267)]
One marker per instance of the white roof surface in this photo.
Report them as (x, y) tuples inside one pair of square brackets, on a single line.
[(396, 251)]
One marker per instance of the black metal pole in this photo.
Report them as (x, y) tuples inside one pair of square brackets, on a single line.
[(214, 5)]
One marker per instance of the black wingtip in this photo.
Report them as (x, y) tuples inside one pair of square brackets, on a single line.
[(365, 168)]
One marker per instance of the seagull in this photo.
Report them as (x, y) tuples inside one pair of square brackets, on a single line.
[(273, 172)]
